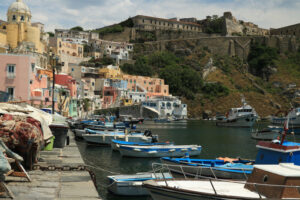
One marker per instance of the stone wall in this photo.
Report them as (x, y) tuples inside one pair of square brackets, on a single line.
[(136, 111), (288, 30), (232, 46)]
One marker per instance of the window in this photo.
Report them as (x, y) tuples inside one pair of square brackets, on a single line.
[(11, 91), (32, 67), (22, 18), (11, 71), (72, 69), (14, 18), (93, 84)]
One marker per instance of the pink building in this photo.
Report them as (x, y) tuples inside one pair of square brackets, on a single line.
[(20, 78), (68, 81), (110, 95), (153, 86)]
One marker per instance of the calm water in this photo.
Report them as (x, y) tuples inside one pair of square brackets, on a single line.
[(215, 142)]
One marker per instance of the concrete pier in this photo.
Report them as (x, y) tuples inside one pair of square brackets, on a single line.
[(61, 176)]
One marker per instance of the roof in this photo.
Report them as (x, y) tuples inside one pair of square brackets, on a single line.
[(169, 20), (283, 169), (19, 6)]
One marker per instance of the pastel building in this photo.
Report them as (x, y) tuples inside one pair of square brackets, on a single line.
[(111, 72), (61, 46), (23, 80), (153, 86)]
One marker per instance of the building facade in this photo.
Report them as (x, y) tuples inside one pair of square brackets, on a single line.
[(287, 30)]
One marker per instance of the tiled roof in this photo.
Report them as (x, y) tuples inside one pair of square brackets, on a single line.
[(168, 20)]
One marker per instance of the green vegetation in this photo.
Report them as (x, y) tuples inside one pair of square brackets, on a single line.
[(214, 25), (51, 34), (116, 28), (183, 80), (215, 90), (290, 64), (77, 28), (99, 62), (260, 59)]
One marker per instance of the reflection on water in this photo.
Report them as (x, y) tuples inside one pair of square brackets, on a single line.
[(215, 141)]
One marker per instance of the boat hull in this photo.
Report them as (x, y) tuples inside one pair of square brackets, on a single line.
[(239, 122), (79, 132), (128, 189), (106, 139), (158, 153), (200, 171), (266, 135)]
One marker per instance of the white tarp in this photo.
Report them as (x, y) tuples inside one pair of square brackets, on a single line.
[(44, 118)]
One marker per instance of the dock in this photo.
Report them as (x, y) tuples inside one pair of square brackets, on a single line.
[(60, 174)]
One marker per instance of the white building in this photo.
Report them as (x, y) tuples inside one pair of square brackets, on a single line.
[(167, 106)]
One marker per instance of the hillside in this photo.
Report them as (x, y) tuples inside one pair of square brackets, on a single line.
[(210, 83)]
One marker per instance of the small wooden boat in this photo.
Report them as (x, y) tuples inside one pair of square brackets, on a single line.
[(115, 145), (131, 185), (265, 134), (233, 169), (280, 181), (159, 150)]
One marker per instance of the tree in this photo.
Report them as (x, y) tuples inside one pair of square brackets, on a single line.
[(260, 59), (77, 28)]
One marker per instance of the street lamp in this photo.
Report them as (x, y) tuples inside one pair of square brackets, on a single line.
[(54, 64)]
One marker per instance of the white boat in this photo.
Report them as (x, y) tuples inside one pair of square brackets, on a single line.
[(131, 185), (159, 150), (106, 139), (115, 144), (244, 116), (294, 118), (266, 182), (79, 132)]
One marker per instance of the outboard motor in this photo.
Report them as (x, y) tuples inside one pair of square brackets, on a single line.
[(154, 139), (148, 133)]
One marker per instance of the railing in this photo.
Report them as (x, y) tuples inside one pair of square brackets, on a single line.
[(163, 168)]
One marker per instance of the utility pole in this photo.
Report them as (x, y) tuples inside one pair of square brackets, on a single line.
[(53, 88)]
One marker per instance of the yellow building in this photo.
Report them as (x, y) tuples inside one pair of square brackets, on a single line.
[(18, 32), (64, 47), (111, 72)]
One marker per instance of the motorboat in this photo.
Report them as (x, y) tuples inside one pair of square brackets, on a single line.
[(159, 150), (104, 138), (293, 115), (244, 116), (280, 181), (265, 134), (131, 185), (115, 144), (224, 168)]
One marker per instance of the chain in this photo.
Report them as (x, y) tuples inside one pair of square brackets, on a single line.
[(59, 168)]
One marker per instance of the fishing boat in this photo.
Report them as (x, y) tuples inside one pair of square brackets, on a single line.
[(293, 115), (79, 132), (131, 185), (159, 150), (244, 116), (223, 168), (281, 181), (104, 138), (265, 134), (115, 144)]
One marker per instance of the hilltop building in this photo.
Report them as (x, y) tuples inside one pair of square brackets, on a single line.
[(153, 23), (287, 30)]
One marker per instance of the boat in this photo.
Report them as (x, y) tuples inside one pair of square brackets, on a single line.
[(244, 116), (293, 115), (115, 144), (162, 120), (265, 134), (280, 181), (106, 138), (218, 168), (292, 129), (131, 185), (79, 132), (159, 150)]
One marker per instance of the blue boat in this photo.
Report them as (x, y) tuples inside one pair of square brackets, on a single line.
[(158, 151), (115, 144), (269, 153)]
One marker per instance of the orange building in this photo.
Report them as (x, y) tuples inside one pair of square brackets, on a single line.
[(153, 86)]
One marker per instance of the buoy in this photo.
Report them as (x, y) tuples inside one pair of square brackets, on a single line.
[(152, 152), (172, 150)]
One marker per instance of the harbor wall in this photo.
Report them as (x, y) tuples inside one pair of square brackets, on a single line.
[(136, 111)]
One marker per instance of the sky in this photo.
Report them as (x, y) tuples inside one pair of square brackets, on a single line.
[(91, 14)]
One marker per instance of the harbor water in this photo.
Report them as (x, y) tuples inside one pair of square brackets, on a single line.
[(215, 142)]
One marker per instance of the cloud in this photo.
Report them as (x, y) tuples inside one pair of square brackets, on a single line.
[(92, 14)]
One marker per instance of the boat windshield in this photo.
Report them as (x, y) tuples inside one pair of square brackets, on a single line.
[(245, 110)]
